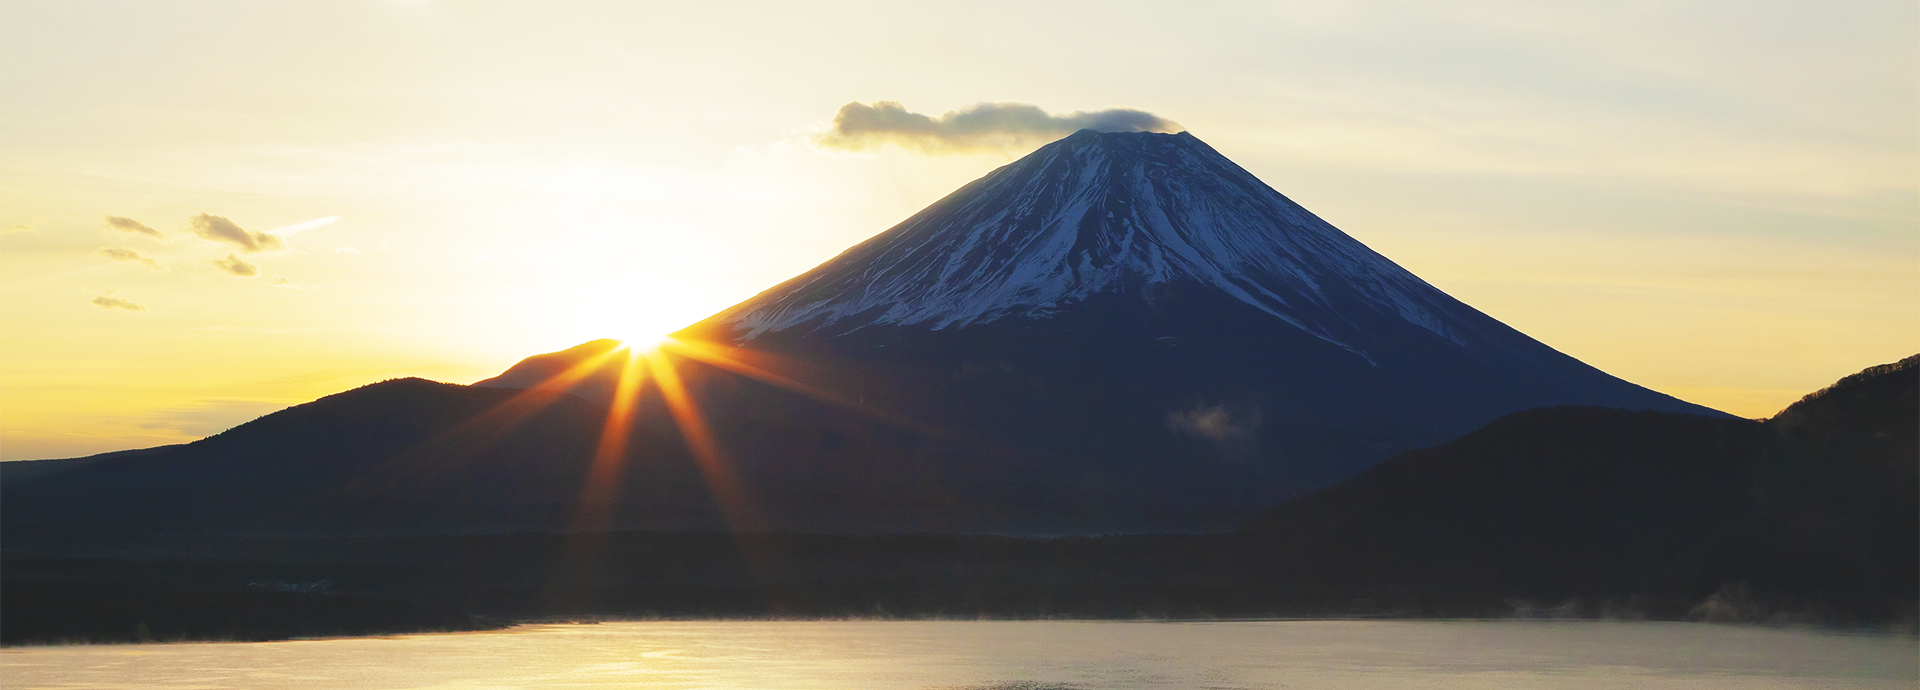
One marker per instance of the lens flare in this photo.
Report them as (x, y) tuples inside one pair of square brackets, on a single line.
[(735, 505), (595, 511)]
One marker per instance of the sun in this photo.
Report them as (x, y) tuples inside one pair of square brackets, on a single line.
[(640, 340), (631, 323)]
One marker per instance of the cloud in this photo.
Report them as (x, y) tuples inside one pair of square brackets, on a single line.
[(981, 126), (1218, 423), (108, 301), (208, 417), (219, 229), (284, 282), (347, 249), (236, 266), (131, 225), (125, 254), (16, 227), (298, 228)]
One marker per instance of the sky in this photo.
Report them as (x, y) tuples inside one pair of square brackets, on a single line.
[(213, 210)]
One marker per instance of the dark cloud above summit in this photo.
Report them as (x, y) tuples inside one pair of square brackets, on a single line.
[(131, 225), (981, 126), (219, 229)]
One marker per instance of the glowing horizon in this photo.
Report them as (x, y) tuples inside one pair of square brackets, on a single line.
[(1722, 211)]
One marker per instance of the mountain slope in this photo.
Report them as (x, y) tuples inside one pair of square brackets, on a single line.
[(400, 456), (1146, 315), (1102, 213), (1814, 510), (1546, 495)]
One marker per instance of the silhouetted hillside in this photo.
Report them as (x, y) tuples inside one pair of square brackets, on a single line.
[(1813, 510), (29, 469), (1569, 511), (1570, 495), (405, 456), (1835, 496)]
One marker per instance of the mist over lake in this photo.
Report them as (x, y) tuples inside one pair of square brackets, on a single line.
[(1009, 655)]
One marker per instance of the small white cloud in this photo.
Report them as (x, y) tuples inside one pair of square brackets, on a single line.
[(347, 249), (1215, 422)]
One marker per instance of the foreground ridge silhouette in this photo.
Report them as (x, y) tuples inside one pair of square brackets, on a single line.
[(1808, 517)]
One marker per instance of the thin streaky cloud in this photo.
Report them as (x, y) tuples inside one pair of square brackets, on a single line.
[(298, 228), (126, 224), (127, 254)]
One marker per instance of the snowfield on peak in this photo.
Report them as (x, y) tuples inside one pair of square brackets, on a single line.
[(1095, 213)]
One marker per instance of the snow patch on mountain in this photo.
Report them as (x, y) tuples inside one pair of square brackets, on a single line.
[(1095, 213)]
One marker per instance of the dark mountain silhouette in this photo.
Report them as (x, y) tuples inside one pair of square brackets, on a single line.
[(1548, 495), (597, 383), (1834, 499), (400, 456), (14, 471), (1813, 509), (1573, 511)]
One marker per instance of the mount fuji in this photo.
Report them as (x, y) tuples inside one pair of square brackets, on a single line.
[(1099, 214), (1117, 332)]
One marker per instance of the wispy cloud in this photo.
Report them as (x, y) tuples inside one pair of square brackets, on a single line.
[(236, 266), (298, 228), (982, 126), (219, 229), (134, 226), (284, 282), (16, 227), (347, 249), (108, 301), (1215, 422), (208, 417), (126, 254)]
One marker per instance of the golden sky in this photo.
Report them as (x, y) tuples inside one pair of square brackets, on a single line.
[(212, 210)]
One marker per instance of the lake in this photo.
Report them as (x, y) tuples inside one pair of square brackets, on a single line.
[(1008, 655)]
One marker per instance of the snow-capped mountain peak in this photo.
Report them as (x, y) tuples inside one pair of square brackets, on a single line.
[(1092, 213)]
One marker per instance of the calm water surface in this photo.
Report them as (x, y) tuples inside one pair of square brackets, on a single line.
[(1027, 655)]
